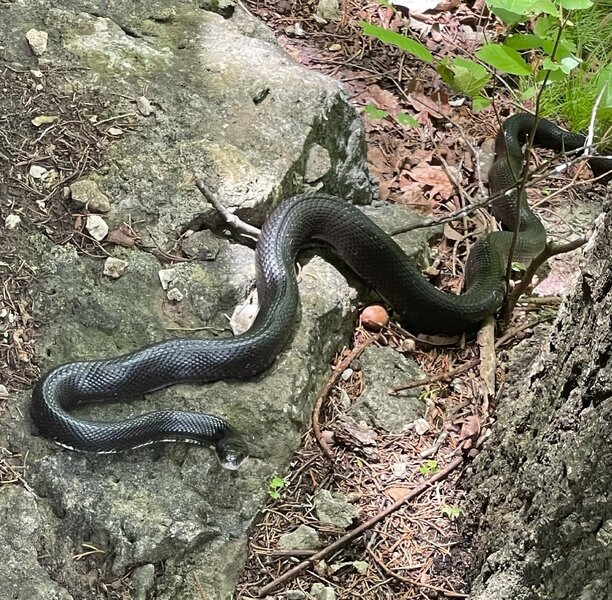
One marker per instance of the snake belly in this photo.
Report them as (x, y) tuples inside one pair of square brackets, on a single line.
[(363, 246)]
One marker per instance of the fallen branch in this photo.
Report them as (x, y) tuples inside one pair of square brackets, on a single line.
[(333, 378), (351, 535)]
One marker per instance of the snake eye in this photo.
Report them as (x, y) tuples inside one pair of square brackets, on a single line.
[(231, 452)]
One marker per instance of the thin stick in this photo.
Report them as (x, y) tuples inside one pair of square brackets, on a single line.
[(351, 535), (230, 218), (338, 370)]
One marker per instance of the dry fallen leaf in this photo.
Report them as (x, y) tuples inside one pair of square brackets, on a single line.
[(433, 177), (397, 493)]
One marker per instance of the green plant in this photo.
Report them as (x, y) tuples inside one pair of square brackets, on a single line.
[(277, 484), (452, 512), (559, 48), (429, 467)]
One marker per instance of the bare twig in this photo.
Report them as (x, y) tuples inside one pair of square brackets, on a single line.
[(230, 218), (333, 378)]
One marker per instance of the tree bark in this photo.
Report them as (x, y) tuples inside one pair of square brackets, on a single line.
[(542, 490)]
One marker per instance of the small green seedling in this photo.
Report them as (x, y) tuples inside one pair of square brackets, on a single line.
[(429, 468), (452, 512), (276, 485)]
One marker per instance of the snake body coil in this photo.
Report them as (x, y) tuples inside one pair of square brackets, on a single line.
[(366, 249)]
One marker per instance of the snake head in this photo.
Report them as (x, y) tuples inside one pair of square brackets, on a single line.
[(231, 451)]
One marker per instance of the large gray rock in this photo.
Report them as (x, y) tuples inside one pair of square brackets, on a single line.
[(223, 102)]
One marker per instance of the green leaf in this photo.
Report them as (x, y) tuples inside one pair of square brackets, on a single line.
[(529, 93), (509, 18), (480, 103), (375, 112), (470, 77), (544, 6), (276, 485), (464, 76), (524, 41), (549, 65), (405, 119), (569, 63), (526, 8), (397, 39), (575, 4), (504, 59), (429, 468), (519, 7), (452, 512)]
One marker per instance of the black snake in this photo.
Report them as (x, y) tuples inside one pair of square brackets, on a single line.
[(365, 248)]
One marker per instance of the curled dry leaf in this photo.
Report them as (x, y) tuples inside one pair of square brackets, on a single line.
[(470, 431)]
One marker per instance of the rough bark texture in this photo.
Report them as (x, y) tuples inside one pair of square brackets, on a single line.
[(543, 486)]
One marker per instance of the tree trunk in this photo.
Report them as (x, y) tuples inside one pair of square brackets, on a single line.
[(543, 487)]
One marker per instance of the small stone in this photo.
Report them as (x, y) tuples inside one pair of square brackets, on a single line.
[(328, 10), (361, 566), (303, 538), (328, 437), (12, 221), (97, 227), (399, 469), (175, 294), (3, 392), (144, 106), (114, 267), (44, 119), (166, 276), (37, 40), (335, 48), (334, 509), (347, 374), (295, 595), (421, 426), (374, 317), (201, 245), (115, 131), (36, 73), (37, 172), (86, 193), (322, 592)]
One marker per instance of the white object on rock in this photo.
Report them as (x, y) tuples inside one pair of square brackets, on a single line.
[(114, 267), (166, 276), (244, 314), (37, 40), (175, 294), (37, 172), (12, 221), (97, 227)]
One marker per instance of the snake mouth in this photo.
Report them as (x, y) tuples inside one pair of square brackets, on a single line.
[(231, 452)]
